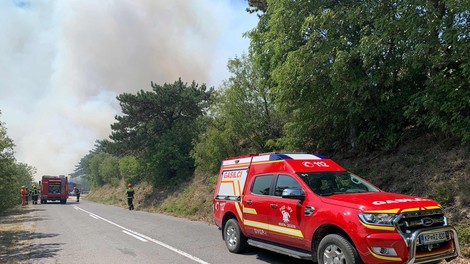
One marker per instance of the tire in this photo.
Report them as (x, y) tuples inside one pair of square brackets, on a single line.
[(235, 240), (335, 248)]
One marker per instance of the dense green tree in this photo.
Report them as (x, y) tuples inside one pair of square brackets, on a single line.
[(79, 176), (109, 169), (92, 166), (12, 174), (97, 168), (89, 166), (344, 72), (214, 143), (129, 168), (158, 128), (441, 51), (243, 119), (6, 144), (257, 5)]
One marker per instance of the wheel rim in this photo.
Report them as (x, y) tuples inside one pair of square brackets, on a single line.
[(334, 255), (231, 236)]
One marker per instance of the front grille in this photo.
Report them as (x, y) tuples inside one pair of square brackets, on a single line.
[(411, 221)]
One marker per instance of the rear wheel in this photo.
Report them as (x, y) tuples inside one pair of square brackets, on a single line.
[(235, 240), (336, 249)]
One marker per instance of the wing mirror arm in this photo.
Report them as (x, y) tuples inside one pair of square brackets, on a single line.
[(293, 194)]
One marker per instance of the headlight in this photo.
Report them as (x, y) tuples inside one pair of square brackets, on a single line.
[(377, 219)]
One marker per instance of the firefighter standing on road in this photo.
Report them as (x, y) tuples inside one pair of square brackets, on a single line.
[(77, 193), (23, 195), (130, 196), (34, 194)]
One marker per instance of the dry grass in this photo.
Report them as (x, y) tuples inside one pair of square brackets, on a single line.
[(459, 261), (16, 234)]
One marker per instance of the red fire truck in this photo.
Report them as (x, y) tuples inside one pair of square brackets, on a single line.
[(54, 188), (307, 206)]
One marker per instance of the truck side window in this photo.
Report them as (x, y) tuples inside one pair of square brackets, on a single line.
[(262, 184), (285, 182)]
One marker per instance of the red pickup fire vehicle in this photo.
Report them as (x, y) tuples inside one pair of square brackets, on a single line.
[(309, 207), (54, 188)]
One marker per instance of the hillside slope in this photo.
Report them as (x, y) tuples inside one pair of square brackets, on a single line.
[(427, 166)]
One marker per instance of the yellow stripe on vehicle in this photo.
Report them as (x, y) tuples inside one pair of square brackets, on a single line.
[(274, 228), (239, 188), (389, 211), (378, 227), (265, 162), (287, 231), (434, 253), (256, 224), (432, 207), (239, 211), (249, 210), (236, 165), (410, 210), (385, 257)]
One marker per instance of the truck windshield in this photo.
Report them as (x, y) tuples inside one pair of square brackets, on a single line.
[(329, 183)]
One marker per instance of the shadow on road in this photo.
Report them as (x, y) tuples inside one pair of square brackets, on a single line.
[(17, 246), (21, 219), (17, 237)]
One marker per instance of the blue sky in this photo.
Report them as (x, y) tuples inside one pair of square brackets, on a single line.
[(62, 64)]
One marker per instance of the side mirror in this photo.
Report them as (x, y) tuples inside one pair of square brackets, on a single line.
[(293, 194)]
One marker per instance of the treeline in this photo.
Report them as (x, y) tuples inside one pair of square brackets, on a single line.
[(13, 174), (320, 76)]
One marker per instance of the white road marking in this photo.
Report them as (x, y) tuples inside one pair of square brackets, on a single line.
[(94, 216), (148, 238), (138, 237)]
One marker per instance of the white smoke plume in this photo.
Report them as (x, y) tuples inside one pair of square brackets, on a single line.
[(62, 64)]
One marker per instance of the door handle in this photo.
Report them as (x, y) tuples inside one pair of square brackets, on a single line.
[(249, 202), (273, 205)]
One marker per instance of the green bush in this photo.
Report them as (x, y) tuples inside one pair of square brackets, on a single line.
[(463, 231), (445, 194)]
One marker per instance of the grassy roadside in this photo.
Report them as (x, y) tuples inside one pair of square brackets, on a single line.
[(192, 200), (17, 228)]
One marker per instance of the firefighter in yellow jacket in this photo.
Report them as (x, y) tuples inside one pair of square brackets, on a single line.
[(34, 194), (130, 196)]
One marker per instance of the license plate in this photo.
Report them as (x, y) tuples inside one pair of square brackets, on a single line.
[(433, 238)]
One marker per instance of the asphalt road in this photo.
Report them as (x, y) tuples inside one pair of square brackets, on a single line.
[(88, 232)]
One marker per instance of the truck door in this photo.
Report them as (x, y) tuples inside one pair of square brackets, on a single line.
[(285, 217), (256, 206)]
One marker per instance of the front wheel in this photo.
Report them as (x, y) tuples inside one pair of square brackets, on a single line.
[(336, 249), (235, 240)]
